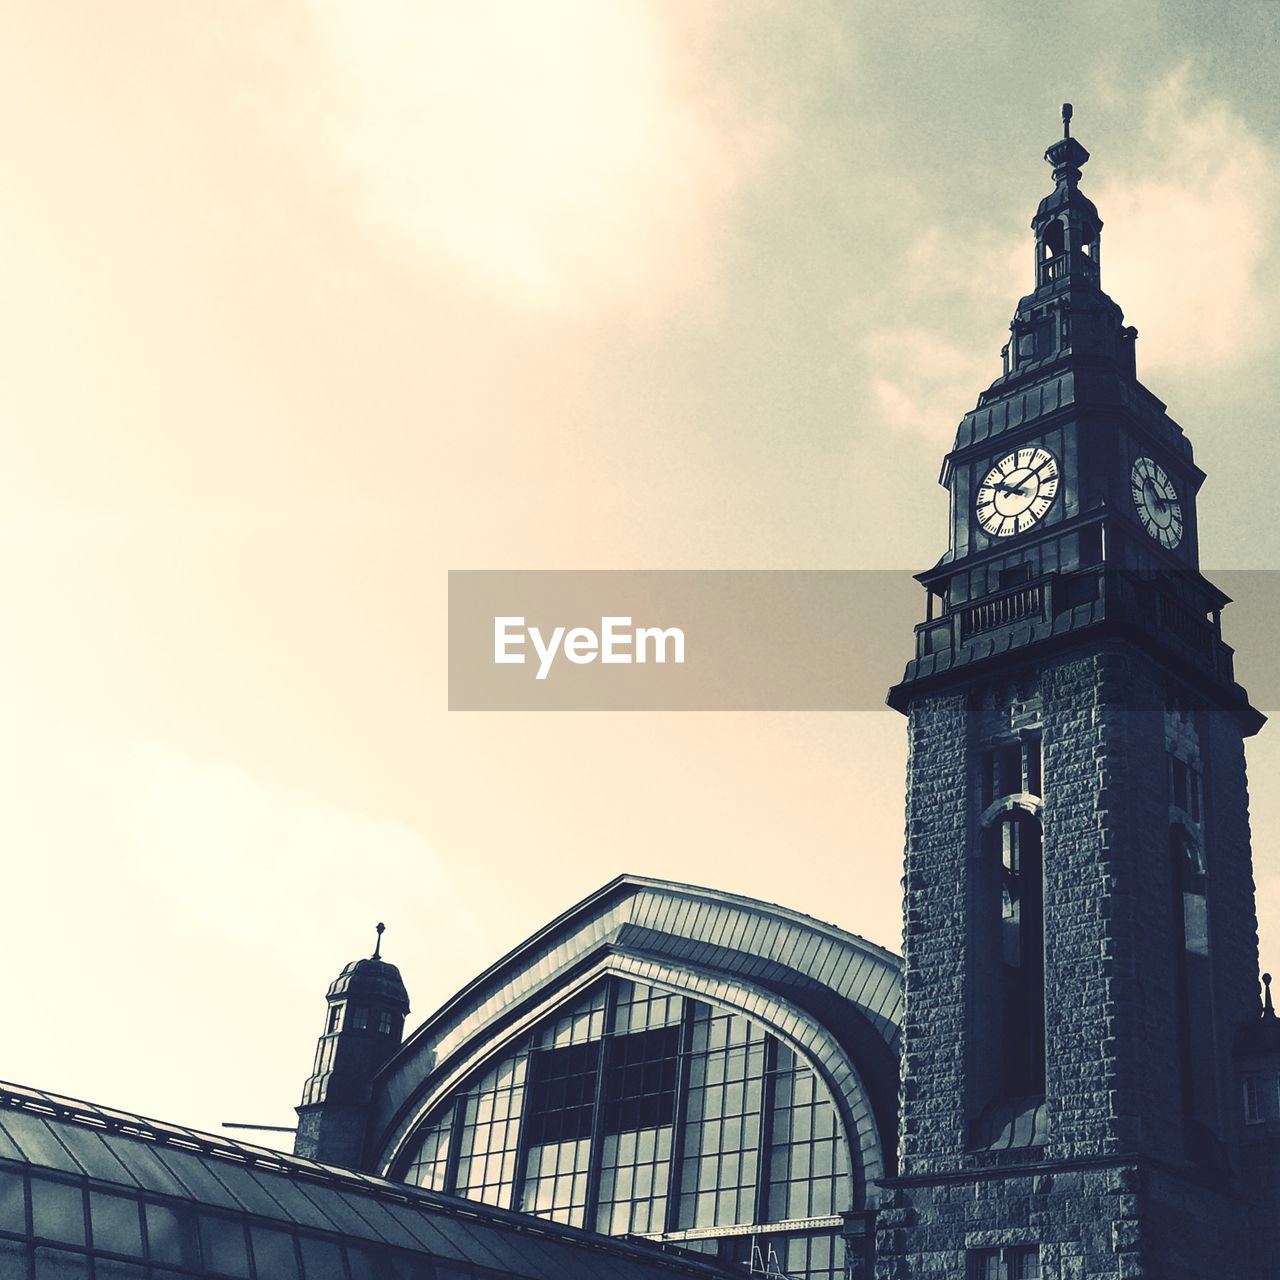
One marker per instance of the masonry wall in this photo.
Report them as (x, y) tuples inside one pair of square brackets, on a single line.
[(1112, 1190)]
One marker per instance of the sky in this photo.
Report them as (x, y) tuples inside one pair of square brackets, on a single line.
[(306, 303)]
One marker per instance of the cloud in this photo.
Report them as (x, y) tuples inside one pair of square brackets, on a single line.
[(921, 382), (567, 153), (954, 296), (1184, 248)]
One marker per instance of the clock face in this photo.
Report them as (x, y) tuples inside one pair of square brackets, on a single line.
[(1017, 491), (1157, 501)]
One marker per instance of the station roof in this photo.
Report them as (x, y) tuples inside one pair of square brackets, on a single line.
[(209, 1202)]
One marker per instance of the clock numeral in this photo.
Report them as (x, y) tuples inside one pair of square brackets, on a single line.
[(1155, 497), (1017, 491)]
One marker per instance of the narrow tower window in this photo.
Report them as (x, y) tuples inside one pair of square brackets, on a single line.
[(1192, 984), (1191, 976), (1021, 956)]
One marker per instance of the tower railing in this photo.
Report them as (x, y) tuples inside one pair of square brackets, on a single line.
[(1013, 605), (1075, 263)]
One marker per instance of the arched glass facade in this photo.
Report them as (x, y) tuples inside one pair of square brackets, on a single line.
[(641, 1112)]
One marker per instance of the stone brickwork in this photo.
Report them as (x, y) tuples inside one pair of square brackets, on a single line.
[(934, 1034), (1233, 920), (1117, 1185)]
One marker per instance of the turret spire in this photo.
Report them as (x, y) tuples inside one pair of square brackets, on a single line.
[(364, 1024)]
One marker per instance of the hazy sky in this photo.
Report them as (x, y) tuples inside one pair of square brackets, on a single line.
[(305, 303)]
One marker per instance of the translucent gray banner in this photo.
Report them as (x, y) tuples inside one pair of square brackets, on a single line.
[(732, 640)]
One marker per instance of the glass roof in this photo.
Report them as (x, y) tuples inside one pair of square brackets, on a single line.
[(66, 1137)]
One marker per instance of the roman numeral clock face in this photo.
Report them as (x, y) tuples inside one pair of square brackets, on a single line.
[(1157, 501), (1017, 491)]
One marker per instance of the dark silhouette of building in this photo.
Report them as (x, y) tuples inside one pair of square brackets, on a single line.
[(707, 1071), (364, 1024), (1080, 950), (1068, 1075)]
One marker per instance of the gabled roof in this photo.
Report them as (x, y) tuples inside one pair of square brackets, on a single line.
[(209, 1188), (834, 996)]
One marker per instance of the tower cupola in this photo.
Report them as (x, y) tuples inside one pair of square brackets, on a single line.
[(364, 1024), (1067, 228)]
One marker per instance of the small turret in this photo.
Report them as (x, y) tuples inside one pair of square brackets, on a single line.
[(364, 1024), (1257, 1053)]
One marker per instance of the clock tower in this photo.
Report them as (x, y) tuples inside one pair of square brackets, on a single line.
[(1080, 938)]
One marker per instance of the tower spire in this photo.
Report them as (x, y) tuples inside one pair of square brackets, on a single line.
[(377, 950), (1066, 154)]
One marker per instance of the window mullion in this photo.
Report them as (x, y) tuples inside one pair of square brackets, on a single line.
[(595, 1152), (454, 1154), (768, 1088), (522, 1134), (684, 1060)]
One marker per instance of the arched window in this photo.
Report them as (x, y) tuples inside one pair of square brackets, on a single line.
[(1017, 836), (638, 1111), (1006, 1011), (1053, 239), (1193, 989)]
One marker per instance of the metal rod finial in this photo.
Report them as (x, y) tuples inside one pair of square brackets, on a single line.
[(1066, 119), (377, 950)]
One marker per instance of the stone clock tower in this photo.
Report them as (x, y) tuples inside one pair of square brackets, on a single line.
[(1080, 937)]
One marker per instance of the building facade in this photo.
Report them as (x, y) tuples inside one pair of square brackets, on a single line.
[(701, 1070), (1081, 945), (1069, 1074)]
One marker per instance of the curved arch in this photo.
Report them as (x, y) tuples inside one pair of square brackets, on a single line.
[(1053, 237), (792, 1025), (1020, 800)]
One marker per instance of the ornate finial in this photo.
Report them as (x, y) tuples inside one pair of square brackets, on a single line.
[(1065, 154), (377, 951), (1268, 1009)]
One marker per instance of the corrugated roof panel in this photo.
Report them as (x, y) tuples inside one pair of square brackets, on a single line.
[(506, 1249), (32, 1136), (337, 1206), (222, 1182), (430, 1230), (151, 1174), (93, 1150), (384, 1223), (195, 1174), (295, 1205)]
